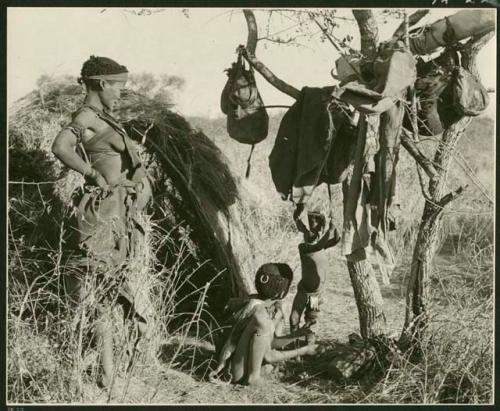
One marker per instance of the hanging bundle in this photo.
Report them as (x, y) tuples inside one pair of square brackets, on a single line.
[(456, 27), (447, 92), (470, 98), (434, 78), (247, 119)]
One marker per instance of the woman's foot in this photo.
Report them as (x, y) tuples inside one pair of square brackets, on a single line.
[(255, 381), (104, 381)]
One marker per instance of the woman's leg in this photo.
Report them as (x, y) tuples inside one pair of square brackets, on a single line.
[(142, 328), (139, 330), (105, 342), (253, 343), (239, 357), (260, 343)]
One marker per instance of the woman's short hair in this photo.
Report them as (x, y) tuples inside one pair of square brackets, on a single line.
[(96, 66)]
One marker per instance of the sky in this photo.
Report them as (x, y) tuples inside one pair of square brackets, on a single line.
[(56, 41)]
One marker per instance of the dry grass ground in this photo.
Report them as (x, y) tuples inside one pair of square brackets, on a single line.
[(457, 362)]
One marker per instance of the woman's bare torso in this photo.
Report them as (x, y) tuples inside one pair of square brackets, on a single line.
[(111, 159)]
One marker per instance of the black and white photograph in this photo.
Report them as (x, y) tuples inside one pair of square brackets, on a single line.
[(250, 206)]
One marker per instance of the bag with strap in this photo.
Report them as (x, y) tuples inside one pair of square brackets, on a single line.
[(469, 96), (247, 118)]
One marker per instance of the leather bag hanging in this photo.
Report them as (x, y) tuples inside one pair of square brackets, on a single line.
[(247, 118)]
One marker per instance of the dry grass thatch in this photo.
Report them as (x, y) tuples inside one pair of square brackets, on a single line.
[(196, 198)]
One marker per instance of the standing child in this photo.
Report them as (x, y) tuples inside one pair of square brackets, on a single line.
[(314, 262)]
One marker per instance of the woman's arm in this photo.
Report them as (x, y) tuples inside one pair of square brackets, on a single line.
[(64, 149), (280, 342)]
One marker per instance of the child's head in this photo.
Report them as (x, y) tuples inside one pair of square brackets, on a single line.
[(273, 280)]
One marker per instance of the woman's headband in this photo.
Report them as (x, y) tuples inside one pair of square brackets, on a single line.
[(115, 77)]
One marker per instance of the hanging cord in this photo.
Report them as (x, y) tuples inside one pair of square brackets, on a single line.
[(331, 125), (247, 173), (144, 135), (462, 162), (240, 70), (412, 95)]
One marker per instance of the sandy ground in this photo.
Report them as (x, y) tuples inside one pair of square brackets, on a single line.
[(288, 383)]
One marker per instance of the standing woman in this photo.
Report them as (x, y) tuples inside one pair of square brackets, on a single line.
[(116, 192)]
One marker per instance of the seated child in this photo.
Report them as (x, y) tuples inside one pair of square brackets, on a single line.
[(252, 339), (314, 263)]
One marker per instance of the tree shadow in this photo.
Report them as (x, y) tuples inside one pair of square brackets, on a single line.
[(394, 290), (311, 372), (190, 355)]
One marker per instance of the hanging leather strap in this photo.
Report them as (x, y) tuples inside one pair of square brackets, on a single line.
[(247, 173)]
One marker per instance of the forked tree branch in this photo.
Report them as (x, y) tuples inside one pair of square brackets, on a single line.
[(257, 64)]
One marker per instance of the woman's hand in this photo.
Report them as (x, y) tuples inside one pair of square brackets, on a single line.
[(97, 179)]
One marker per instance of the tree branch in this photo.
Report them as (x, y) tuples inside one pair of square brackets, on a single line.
[(277, 40), (368, 30), (412, 20), (418, 156), (448, 198), (252, 31), (366, 20), (249, 55), (470, 50)]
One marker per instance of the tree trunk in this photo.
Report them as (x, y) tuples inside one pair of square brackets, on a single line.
[(368, 30), (417, 287), (366, 289), (368, 298)]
